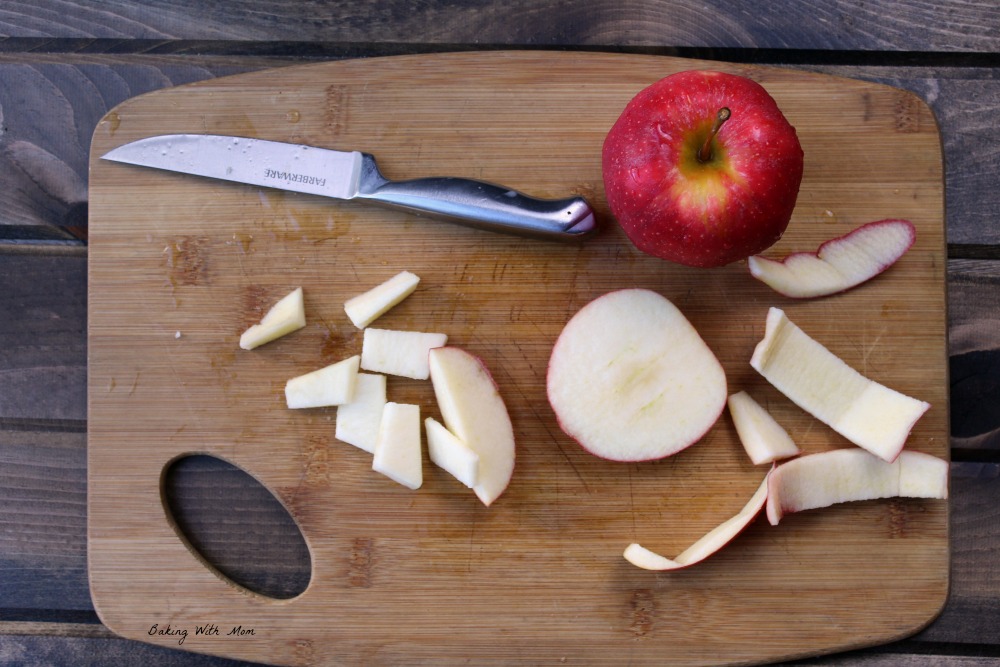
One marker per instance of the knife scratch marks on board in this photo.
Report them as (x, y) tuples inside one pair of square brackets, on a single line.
[(359, 574), (642, 611), (335, 112)]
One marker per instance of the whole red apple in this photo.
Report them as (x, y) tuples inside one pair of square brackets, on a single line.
[(702, 169)]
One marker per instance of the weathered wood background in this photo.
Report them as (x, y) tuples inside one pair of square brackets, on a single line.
[(65, 63)]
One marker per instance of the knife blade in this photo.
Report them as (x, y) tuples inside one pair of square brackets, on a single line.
[(355, 175)]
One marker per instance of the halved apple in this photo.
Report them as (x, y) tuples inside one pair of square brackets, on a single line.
[(839, 264), (630, 378), (474, 411), (365, 308), (358, 421), (398, 454), (327, 386), (865, 412), (451, 454), (284, 317), (711, 542), (402, 353), (763, 438), (845, 475)]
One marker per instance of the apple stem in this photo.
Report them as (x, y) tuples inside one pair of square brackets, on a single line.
[(705, 154)]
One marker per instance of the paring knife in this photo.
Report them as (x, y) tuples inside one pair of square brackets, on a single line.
[(354, 175)]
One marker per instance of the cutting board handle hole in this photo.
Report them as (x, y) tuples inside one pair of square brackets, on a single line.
[(235, 526)]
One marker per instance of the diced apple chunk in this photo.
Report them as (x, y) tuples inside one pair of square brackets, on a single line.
[(865, 412), (398, 453), (451, 454), (846, 475), (358, 421), (711, 542), (763, 438), (365, 308), (474, 411), (284, 317), (328, 386), (402, 353)]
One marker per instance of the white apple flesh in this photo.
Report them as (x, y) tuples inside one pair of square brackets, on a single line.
[(451, 454), (365, 308), (402, 353), (870, 415), (839, 264), (763, 438), (473, 410), (710, 543), (847, 475), (358, 421), (630, 378), (284, 317), (328, 386), (398, 453)]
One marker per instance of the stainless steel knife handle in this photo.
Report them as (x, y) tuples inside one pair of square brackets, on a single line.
[(479, 204)]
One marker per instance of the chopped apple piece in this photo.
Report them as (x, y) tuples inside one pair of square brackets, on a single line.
[(839, 264), (284, 317), (763, 438), (331, 385), (368, 307), (402, 353), (632, 380), (397, 449), (845, 475), (711, 542), (865, 412), (451, 454), (474, 411), (358, 421)]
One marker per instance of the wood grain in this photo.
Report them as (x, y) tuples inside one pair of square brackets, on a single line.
[(173, 255)]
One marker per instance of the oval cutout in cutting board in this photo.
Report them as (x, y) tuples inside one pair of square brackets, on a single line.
[(179, 266)]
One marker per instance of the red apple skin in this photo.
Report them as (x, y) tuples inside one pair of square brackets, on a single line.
[(703, 214)]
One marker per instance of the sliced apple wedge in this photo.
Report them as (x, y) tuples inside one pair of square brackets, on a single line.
[(284, 317), (839, 264), (763, 438), (711, 542), (865, 412), (630, 378), (365, 308), (402, 353), (358, 421), (451, 454), (474, 411), (398, 454), (328, 386), (846, 475)]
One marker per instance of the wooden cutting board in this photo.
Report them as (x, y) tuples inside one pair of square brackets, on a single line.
[(180, 266)]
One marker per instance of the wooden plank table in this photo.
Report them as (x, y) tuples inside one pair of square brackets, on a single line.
[(64, 65)]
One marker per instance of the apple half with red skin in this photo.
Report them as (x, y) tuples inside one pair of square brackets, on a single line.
[(702, 168)]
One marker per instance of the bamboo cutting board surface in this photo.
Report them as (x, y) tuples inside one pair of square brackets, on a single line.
[(180, 266)]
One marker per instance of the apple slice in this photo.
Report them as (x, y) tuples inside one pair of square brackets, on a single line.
[(397, 448), (402, 353), (358, 421), (284, 317), (845, 475), (331, 385), (364, 309), (839, 264), (865, 412), (474, 411), (763, 438), (630, 379), (451, 454), (711, 542)]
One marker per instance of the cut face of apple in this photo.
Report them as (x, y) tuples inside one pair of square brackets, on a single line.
[(451, 454), (328, 386), (845, 475), (630, 379), (368, 307), (838, 264), (284, 317), (712, 541), (865, 412), (398, 454), (358, 421), (763, 438), (402, 353), (474, 411)]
